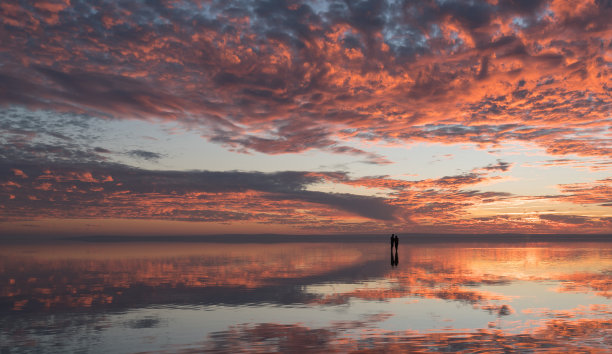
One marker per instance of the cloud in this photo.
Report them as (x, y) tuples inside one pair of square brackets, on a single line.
[(391, 71), (597, 192), (142, 154), (565, 219), (501, 166), (113, 190), (48, 136), (580, 148), (107, 190), (589, 164), (279, 77)]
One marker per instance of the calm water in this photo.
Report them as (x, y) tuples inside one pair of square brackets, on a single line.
[(324, 297)]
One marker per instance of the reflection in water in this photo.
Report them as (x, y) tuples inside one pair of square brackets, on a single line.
[(394, 258), (186, 297)]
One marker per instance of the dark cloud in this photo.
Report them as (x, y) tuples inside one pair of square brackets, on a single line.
[(47, 135), (106, 92), (568, 219), (565, 219), (370, 207), (58, 188), (145, 155), (521, 6), (499, 166), (471, 15), (484, 68)]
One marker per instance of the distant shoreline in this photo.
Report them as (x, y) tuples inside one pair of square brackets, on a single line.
[(345, 238)]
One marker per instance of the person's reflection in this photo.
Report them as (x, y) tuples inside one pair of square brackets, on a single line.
[(394, 259)]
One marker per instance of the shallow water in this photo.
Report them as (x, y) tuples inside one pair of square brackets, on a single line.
[(317, 296)]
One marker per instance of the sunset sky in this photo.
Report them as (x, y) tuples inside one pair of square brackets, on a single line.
[(305, 117)]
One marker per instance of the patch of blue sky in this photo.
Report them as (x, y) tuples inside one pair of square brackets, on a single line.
[(520, 22)]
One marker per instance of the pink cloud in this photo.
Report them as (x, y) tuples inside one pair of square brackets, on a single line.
[(539, 67)]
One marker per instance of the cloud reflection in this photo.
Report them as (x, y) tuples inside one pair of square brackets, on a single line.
[(37, 280), (587, 335), (80, 282)]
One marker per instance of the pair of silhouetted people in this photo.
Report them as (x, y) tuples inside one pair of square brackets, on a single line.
[(394, 242)]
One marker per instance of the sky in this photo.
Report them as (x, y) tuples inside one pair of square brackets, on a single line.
[(305, 117)]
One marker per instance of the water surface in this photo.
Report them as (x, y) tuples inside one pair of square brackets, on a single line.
[(298, 296)]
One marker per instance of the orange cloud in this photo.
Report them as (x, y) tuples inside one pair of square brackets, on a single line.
[(293, 77), (325, 76)]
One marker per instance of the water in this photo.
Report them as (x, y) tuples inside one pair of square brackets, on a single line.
[(305, 296)]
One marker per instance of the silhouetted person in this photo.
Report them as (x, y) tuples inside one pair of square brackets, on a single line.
[(396, 242), (392, 240)]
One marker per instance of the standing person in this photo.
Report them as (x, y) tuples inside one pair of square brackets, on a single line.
[(396, 242), (392, 240)]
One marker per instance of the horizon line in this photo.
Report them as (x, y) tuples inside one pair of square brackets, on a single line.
[(274, 237)]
